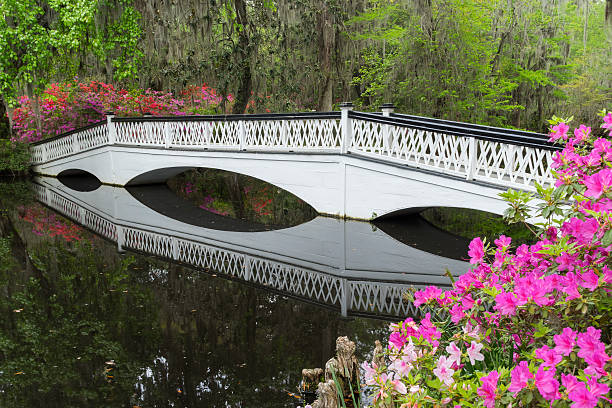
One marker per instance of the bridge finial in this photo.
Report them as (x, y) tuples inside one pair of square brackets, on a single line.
[(387, 109), (346, 105)]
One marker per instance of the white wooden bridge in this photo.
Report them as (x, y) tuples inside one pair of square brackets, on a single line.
[(347, 164), (345, 265)]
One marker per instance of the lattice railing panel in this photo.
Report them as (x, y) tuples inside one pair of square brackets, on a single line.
[(37, 154), (297, 281), (141, 133), (92, 137), (149, 242), (190, 134), (40, 192), (206, 256), (516, 166), (383, 298), (314, 134), (266, 133), (100, 225), (61, 147), (225, 134), (431, 150), (64, 206)]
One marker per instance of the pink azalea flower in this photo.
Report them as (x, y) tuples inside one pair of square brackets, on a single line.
[(476, 251), (547, 384), (550, 356), (427, 294), (581, 133), (608, 122), (558, 132), (503, 241), (565, 342), (455, 353), (506, 303), (473, 352), (589, 343), (582, 397), (456, 313), (598, 184), (520, 376), (443, 370), (399, 386), (488, 390), (589, 280), (569, 382)]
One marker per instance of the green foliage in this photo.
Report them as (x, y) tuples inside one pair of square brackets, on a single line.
[(14, 157)]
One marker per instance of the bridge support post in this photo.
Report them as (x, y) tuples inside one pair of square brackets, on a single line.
[(75, 143), (110, 126), (472, 159), (345, 299), (242, 134), (167, 135), (387, 110), (120, 239), (345, 126)]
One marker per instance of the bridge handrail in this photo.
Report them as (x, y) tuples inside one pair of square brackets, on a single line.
[(506, 157), (71, 132), (353, 296), (473, 125), (519, 138), (234, 117)]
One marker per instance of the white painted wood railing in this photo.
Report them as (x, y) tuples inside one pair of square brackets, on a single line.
[(504, 157), (350, 297)]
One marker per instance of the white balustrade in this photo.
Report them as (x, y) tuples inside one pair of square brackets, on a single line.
[(503, 164), (348, 296)]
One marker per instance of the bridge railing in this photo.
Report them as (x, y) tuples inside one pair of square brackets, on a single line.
[(506, 157), (350, 297)]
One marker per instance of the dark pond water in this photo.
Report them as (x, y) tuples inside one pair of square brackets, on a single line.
[(214, 290)]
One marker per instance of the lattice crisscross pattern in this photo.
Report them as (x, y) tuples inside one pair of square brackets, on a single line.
[(100, 225), (224, 134), (93, 137), (419, 148), (61, 147), (37, 153), (516, 166), (300, 282), (206, 256), (313, 134), (149, 242), (141, 133), (265, 133), (383, 298), (65, 206), (190, 134)]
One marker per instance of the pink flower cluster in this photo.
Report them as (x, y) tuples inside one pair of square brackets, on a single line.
[(67, 106), (541, 304)]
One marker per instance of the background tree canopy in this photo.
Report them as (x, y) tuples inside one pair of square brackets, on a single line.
[(499, 62)]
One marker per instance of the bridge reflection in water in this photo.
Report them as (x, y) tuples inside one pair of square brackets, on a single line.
[(352, 267)]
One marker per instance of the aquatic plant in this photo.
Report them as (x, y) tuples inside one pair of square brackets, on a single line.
[(527, 325)]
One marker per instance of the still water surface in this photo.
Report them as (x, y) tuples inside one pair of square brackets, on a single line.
[(213, 290)]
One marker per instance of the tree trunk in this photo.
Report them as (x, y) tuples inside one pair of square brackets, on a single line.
[(608, 20), (243, 54), (327, 44)]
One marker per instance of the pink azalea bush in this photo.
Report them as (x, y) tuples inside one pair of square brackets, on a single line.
[(68, 106), (526, 326)]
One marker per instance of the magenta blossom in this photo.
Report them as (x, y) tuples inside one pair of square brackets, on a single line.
[(520, 377), (565, 342), (488, 390), (476, 251)]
